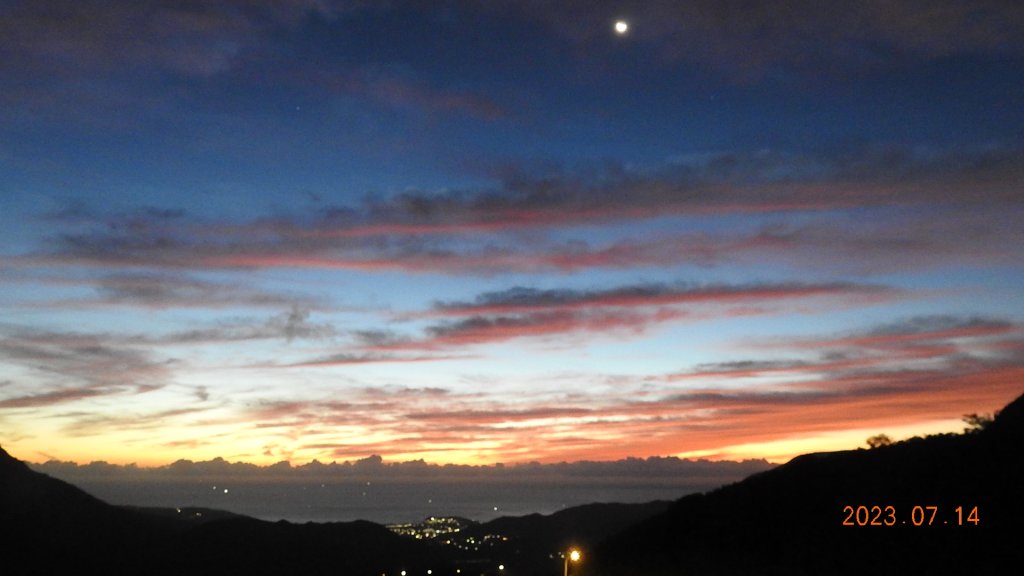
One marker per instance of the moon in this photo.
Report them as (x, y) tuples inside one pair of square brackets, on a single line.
[(621, 27)]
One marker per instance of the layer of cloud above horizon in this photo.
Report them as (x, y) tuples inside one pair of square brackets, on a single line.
[(501, 232), (372, 488)]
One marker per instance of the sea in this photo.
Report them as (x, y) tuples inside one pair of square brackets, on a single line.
[(382, 501)]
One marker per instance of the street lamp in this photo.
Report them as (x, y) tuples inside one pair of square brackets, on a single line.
[(573, 555)]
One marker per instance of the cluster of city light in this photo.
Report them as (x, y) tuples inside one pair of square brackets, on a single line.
[(448, 530), (572, 555), (431, 528), (430, 571)]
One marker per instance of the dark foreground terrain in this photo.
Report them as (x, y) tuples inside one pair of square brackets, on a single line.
[(51, 527), (789, 520)]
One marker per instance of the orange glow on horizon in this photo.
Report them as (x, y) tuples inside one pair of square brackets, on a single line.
[(777, 451)]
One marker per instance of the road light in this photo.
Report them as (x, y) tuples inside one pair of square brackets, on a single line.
[(573, 555)]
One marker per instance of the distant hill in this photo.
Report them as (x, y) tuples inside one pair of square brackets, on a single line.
[(789, 520), (534, 541), (51, 527), (56, 528)]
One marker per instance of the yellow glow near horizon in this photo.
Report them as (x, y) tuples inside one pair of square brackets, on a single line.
[(783, 450), (484, 453)]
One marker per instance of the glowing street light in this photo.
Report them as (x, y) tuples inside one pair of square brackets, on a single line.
[(573, 555)]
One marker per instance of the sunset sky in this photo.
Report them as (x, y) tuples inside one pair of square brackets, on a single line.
[(479, 232)]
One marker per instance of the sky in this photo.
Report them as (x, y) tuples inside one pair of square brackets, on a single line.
[(480, 232)]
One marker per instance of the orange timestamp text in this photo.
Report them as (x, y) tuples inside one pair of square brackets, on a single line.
[(918, 516)]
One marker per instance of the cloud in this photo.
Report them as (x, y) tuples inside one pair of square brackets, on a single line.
[(521, 299), (50, 398), (294, 325), (900, 359), (483, 329), (652, 477), (979, 236), (921, 241), (920, 368), (348, 359), (505, 416), (160, 293), (80, 425), (95, 359), (613, 426), (72, 37), (916, 345), (289, 326), (392, 85), (939, 327), (181, 291), (854, 400), (930, 237), (963, 205), (527, 312), (700, 184), (914, 332), (202, 393), (104, 52), (376, 337), (83, 365)]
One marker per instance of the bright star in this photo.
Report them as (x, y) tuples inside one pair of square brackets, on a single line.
[(621, 27)]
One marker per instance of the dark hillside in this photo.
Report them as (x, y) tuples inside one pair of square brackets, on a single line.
[(51, 527), (789, 520), (534, 541)]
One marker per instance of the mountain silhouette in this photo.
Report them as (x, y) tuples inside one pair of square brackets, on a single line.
[(531, 544), (57, 528), (52, 527), (789, 520)]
